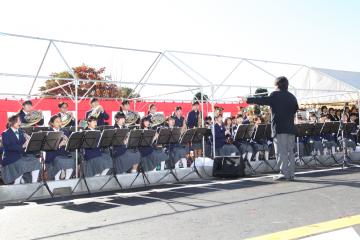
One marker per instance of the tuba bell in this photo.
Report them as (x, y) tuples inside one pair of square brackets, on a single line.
[(32, 118), (131, 118), (66, 119), (157, 119)]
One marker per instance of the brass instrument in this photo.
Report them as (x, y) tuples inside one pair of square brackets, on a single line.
[(96, 111), (66, 118), (64, 141), (32, 118), (157, 119), (218, 110), (131, 118), (83, 124)]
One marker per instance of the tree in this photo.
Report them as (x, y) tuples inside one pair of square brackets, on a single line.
[(92, 89), (197, 97)]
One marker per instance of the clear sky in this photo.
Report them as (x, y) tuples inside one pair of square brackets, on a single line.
[(322, 33)]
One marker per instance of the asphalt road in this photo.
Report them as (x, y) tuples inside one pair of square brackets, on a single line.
[(235, 209)]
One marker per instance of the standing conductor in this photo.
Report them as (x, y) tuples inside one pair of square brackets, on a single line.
[(283, 106)]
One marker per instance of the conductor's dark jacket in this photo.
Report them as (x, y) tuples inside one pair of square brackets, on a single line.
[(283, 106)]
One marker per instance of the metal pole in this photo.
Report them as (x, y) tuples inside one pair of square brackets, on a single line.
[(213, 124), (76, 125), (202, 118)]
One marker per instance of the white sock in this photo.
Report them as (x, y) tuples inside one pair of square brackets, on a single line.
[(257, 156), (17, 181), (333, 149), (249, 156), (244, 156), (68, 173), (162, 164), (105, 171), (35, 176), (57, 176), (177, 164), (266, 155)]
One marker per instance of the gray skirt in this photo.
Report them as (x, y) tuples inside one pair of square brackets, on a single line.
[(96, 165), (245, 148), (14, 170), (150, 161), (59, 163), (125, 161), (229, 149), (260, 147)]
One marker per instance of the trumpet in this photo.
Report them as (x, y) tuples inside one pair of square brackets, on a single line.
[(64, 141), (96, 111)]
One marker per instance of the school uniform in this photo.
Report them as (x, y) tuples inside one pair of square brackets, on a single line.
[(101, 118), (59, 159), (22, 115), (15, 162), (125, 158), (96, 160)]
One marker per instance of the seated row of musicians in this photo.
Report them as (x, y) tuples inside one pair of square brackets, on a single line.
[(15, 162)]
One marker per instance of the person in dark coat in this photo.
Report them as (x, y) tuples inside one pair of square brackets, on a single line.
[(63, 113), (95, 106), (27, 107), (15, 162), (283, 106)]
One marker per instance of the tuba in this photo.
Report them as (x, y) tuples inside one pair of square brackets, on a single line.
[(96, 111), (157, 119), (66, 119), (32, 118), (131, 118)]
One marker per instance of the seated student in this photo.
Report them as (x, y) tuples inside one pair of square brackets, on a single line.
[(350, 139), (15, 162), (27, 107), (177, 152), (329, 140), (219, 132), (59, 160), (260, 145), (245, 148), (150, 156), (97, 162), (314, 143), (97, 109), (125, 159)]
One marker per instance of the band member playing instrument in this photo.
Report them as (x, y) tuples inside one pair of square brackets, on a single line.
[(177, 152), (179, 119), (223, 140), (245, 148), (152, 111), (15, 162), (97, 111), (59, 160), (27, 108), (194, 116), (260, 145), (66, 117), (150, 156), (126, 159), (97, 162), (125, 107)]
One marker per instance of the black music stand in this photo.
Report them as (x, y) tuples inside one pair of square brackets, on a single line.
[(105, 127), (113, 137), (241, 132), (40, 129), (28, 130), (169, 136), (316, 131), (330, 128), (141, 138), (260, 134), (193, 135), (75, 143), (302, 130), (345, 128), (43, 141)]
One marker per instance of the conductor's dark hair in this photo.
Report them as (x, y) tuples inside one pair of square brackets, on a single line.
[(93, 100), (27, 102), (91, 118), (12, 120), (282, 83), (61, 104)]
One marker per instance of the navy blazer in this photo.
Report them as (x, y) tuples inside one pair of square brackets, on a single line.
[(193, 119), (23, 120), (51, 155), (13, 147), (219, 136), (90, 153), (179, 122), (283, 106), (120, 149), (101, 118)]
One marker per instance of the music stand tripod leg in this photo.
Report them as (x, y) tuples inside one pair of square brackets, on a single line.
[(82, 177), (114, 175)]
